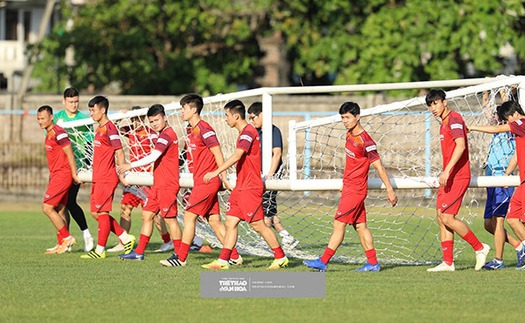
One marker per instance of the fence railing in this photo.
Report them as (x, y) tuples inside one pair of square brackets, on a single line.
[(23, 167)]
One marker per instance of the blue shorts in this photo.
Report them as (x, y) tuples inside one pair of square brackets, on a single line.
[(498, 199)]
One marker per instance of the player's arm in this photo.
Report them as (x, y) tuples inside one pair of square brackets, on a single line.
[(513, 163), (151, 158), (71, 161), (461, 145), (277, 152), (491, 129), (119, 153), (219, 160), (391, 195), (235, 157)]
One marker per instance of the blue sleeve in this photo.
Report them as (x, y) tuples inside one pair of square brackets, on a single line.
[(277, 138)]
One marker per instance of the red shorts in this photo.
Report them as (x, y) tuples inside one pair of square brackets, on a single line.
[(102, 194), (517, 203), (449, 197), (246, 205), (351, 209), (163, 202), (129, 198), (203, 199), (57, 189)]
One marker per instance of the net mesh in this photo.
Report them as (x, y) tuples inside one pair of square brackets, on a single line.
[(407, 136)]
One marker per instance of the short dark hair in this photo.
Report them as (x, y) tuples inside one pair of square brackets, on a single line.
[(255, 108), (236, 107), (506, 109), (136, 107), (45, 108), (350, 107), (155, 110), (101, 101), (71, 92), (193, 100), (434, 95)]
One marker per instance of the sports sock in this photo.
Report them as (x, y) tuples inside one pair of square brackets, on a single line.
[(327, 255), (498, 260), (100, 249), (176, 245), (235, 254), (59, 238), (283, 233), (278, 253), (447, 247), (371, 256), (86, 233), (103, 229), (182, 254), (472, 240), (64, 232), (518, 246), (225, 254), (166, 237), (116, 228), (143, 242)]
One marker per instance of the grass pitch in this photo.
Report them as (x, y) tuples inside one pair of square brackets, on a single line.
[(58, 288)]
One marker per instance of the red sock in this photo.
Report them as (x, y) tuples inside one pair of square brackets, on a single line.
[(59, 238), (182, 254), (235, 254), (64, 232), (448, 251), (472, 240), (166, 237), (143, 242), (371, 256), (225, 254), (278, 253), (176, 245), (327, 255), (104, 227), (115, 227)]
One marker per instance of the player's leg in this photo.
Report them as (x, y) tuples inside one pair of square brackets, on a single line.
[(230, 239), (125, 223), (55, 199), (269, 236), (219, 229), (367, 242), (77, 213), (167, 244), (514, 219), (187, 235), (145, 235)]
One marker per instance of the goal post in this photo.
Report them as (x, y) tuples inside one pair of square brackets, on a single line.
[(407, 138)]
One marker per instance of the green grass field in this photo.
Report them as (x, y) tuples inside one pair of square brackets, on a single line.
[(57, 288)]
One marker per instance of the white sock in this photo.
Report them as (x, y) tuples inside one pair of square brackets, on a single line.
[(124, 237), (284, 233), (520, 246), (86, 234), (222, 261), (100, 249)]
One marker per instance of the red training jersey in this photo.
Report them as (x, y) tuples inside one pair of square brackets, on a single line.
[(107, 140), (249, 166), (166, 168), (361, 151), (201, 138), (452, 127), (56, 140), (518, 128)]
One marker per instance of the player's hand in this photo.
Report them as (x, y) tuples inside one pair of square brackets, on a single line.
[(227, 184), (123, 180), (209, 176), (391, 197), (443, 178), (123, 168), (76, 179)]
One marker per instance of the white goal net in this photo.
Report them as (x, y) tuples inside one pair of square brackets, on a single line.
[(407, 137)]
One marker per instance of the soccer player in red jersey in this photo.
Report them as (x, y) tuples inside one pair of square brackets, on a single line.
[(245, 202), (62, 173), (361, 152), (453, 183), (106, 146), (162, 197), (512, 112), (141, 138), (206, 156)]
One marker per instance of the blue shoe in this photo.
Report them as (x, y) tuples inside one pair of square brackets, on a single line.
[(494, 265), (521, 258), (368, 267), (316, 264), (131, 256)]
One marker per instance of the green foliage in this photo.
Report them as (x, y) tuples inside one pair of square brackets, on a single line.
[(211, 46)]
